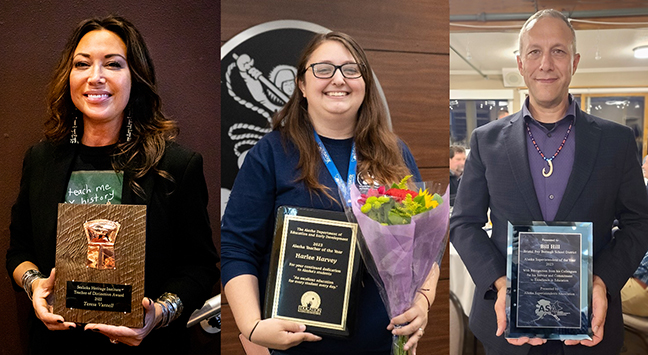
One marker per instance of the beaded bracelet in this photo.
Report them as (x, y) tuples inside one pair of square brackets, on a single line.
[(28, 279)]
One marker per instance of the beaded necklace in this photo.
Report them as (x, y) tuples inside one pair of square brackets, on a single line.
[(548, 160)]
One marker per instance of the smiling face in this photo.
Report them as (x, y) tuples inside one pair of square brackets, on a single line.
[(547, 62), (100, 80), (335, 100)]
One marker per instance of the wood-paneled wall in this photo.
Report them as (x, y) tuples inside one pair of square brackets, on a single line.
[(407, 44)]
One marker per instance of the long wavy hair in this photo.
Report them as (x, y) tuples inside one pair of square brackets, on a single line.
[(150, 128), (379, 156)]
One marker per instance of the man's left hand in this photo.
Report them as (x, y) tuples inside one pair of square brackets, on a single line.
[(599, 310)]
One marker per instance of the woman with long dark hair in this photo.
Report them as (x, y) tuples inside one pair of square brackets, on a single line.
[(105, 127)]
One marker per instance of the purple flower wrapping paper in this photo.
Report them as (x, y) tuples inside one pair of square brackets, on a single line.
[(400, 257)]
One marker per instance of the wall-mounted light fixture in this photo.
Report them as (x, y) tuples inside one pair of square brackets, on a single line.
[(641, 52)]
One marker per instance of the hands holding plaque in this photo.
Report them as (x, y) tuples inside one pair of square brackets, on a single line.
[(599, 311), (549, 291), (280, 334), (42, 296), (314, 277), (100, 262), (131, 336)]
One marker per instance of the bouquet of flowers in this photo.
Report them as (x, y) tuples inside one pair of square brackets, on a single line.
[(403, 235)]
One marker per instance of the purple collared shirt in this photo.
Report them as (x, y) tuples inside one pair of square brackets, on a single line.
[(550, 190)]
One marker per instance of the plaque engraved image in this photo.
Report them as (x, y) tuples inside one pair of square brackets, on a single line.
[(549, 265), (314, 270), (100, 252), (549, 279), (101, 234)]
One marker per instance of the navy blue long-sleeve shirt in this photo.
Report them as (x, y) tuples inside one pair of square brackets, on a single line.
[(265, 182)]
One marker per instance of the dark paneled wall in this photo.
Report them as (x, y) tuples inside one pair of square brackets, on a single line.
[(407, 44), (184, 41)]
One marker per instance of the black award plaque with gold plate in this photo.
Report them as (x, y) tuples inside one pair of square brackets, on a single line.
[(314, 270)]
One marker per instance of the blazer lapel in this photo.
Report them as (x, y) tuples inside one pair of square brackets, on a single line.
[(58, 174), (52, 188), (588, 136), (515, 138)]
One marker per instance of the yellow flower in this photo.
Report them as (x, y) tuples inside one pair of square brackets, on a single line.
[(429, 201), (403, 183)]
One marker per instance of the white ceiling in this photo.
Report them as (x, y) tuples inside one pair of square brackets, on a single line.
[(492, 51)]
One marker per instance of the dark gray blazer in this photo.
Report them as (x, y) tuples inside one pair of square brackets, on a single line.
[(605, 183)]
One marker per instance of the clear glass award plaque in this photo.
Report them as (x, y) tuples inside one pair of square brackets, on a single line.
[(549, 280)]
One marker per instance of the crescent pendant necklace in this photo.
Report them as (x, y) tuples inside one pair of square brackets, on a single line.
[(546, 173)]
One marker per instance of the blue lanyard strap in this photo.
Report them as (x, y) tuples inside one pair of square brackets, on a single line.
[(335, 174)]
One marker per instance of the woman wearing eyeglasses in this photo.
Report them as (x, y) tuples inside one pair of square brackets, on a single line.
[(337, 108)]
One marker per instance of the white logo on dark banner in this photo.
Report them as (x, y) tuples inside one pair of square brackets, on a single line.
[(257, 79)]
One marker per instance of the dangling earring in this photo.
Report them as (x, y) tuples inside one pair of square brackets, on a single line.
[(73, 133), (129, 127)]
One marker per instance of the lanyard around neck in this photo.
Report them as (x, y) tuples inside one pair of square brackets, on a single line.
[(335, 174)]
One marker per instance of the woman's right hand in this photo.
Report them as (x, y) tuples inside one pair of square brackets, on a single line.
[(42, 299), (280, 334)]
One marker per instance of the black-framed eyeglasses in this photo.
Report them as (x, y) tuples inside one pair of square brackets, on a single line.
[(327, 70)]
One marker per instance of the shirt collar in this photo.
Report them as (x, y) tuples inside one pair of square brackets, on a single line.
[(569, 114)]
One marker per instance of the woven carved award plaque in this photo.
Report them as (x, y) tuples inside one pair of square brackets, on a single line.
[(100, 252)]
